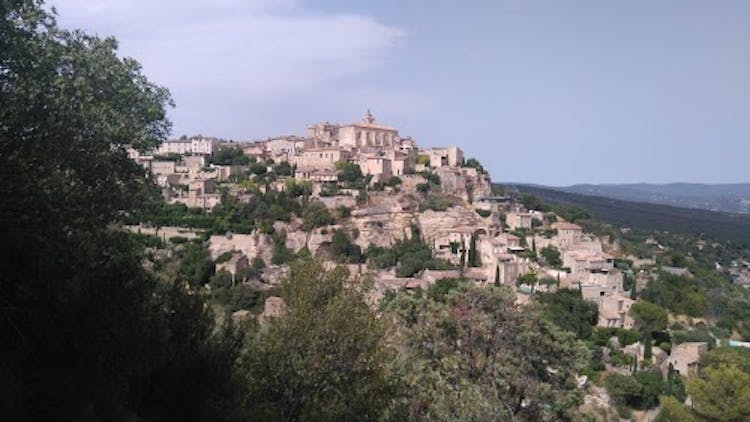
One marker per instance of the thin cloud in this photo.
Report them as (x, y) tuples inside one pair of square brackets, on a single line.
[(236, 52)]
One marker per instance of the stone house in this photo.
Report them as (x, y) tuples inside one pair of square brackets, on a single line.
[(568, 234), (283, 148), (255, 150), (319, 175), (160, 168), (195, 146), (585, 261), (445, 157), (320, 157), (684, 358), (613, 312), (518, 220), (401, 162), (379, 167)]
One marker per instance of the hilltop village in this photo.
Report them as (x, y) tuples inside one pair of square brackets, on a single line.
[(375, 191)]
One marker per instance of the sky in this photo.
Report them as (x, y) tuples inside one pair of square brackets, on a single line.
[(549, 92)]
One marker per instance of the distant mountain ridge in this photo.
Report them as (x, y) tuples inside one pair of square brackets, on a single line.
[(733, 197), (648, 216)]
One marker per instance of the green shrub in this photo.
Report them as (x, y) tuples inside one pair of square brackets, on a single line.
[(483, 213), (177, 240)]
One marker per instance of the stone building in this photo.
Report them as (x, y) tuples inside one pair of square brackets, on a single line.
[(568, 234), (445, 157), (283, 148), (367, 133), (614, 312), (518, 220), (684, 358), (195, 145), (377, 166), (321, 157)]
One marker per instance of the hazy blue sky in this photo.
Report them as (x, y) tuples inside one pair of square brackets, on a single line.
[(553, 92)]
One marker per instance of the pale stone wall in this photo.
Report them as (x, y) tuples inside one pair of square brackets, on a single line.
[(320, 157), (162, 167), (333, 202), (516, 220)]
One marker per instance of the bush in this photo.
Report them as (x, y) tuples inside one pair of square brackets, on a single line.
[(221, 279), (430, 177), (551, 255), (483, 213), (233, 299), (257, 263), (435, 203), (224, 257), (343, 211), (424, 187), (441, 288), (177, 240), (394, 181), (349, 172), (283, 169), (258, 168), (315, 214), (344, 250), (280, 254)]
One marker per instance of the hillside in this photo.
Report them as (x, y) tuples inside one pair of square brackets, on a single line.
[(733, 198), (646, 216)]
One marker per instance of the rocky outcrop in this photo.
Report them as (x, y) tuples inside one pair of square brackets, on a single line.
[(298, 239), (436, 225), (251, 245), (384, 221)]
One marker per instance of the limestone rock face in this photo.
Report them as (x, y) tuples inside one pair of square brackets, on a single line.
[(385, 220), (298, 239), (251, 245), (436, 225)]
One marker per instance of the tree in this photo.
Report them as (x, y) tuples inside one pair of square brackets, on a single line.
[(315, 214), (349, 172), (569, 311), (640, 391), (721, 393), (528, 279), (673, 410), (475, 356), (497, 275), (475, 260), (229, 156), (343, 249), (325, 359), (283, 169), (648, 317), (88, 333), (394, 181), (424, 187), (551, 255), (280, 254)]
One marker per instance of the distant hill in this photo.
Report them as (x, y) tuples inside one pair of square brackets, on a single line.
[(733, 198), (646, 216)]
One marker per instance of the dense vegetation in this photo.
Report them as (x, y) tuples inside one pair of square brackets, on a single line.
[(87, 333)]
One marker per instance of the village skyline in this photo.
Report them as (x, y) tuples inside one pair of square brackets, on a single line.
[(627, 92)]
